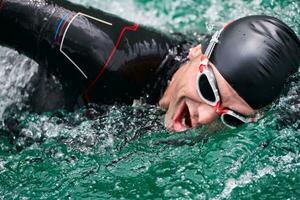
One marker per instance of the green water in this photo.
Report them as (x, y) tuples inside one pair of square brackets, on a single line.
[(124, 152)]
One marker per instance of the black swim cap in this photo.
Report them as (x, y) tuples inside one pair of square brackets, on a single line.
[(255, 55)]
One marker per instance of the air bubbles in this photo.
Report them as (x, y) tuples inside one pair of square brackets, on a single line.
[(210, 27)]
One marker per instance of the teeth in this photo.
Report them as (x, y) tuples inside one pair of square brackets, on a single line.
[(183, 121)]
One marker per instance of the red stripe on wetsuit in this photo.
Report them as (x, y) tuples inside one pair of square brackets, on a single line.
[(63, 27), (101, 71)]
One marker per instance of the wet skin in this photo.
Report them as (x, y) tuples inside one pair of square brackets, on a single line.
[(185, 108)]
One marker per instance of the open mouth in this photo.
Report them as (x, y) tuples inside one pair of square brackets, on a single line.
[(182, 119)]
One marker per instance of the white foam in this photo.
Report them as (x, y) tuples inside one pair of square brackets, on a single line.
[(15, 73), (245, 179), (283, 163)]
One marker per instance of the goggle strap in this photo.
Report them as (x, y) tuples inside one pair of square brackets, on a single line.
[(215, 40), (203, 63), (212, 43)]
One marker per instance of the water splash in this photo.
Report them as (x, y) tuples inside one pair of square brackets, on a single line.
[(16, 71)]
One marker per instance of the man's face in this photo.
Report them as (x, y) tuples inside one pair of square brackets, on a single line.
[(185, 108)]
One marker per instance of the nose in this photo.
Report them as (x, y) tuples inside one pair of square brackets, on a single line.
[(206, 114)]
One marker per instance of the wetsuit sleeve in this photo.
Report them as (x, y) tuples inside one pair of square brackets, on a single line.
[(98, 55)]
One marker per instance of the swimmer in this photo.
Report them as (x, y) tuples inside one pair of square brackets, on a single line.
[(242, 70), (100, 58)]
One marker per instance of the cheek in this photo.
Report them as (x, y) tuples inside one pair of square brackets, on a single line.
[(192, 92), (173, 89), (170, 95), (191, 85), (206, 114)]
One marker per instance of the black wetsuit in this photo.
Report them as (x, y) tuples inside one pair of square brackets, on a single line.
[(95, 55)]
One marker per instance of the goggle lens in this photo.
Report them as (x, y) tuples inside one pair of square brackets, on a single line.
[(205, 88), (232, 120)]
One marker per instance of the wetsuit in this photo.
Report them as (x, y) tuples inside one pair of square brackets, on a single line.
[(95, 55)]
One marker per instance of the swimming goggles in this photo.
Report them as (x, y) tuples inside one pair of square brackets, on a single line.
[(206, 85)]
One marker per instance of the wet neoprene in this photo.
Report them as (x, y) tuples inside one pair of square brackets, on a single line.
[(98, 55), (256, 54)]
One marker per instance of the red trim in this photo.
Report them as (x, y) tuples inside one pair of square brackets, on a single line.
[(100, 73), (226, 25), (203, 66), (63, 28), (219, 109)]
